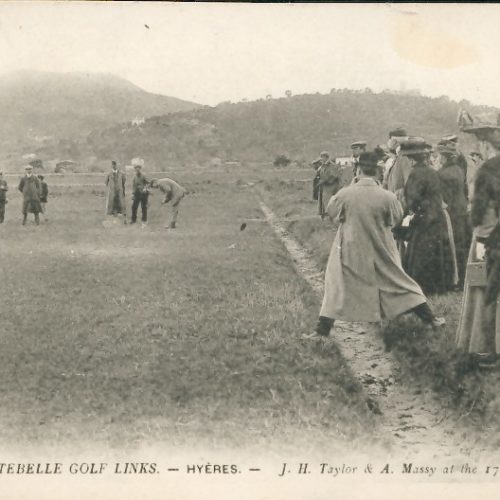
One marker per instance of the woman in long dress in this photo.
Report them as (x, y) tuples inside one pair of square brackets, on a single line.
[(429, 258), (453, 188), (479, 327)]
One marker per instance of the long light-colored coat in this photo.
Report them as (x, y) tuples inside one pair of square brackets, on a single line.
[(364, 278), (116, 193)]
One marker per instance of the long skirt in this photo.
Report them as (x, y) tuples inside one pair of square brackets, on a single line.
[(479, 326), (462, 234), (429, 258)]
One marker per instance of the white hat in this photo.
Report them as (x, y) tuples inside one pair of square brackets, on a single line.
[(137, 162)]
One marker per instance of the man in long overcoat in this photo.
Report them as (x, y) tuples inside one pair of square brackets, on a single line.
[(364, 278), (30, 187), (330, 181), (115, 181)]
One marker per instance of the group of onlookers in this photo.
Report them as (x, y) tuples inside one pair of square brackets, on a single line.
[(409, 196)]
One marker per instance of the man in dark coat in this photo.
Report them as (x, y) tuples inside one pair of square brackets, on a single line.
[(31, 189), (3, 197), (329, 181), (140, 194), (453, 188), (429, 258), (44, 195), (357, 148)]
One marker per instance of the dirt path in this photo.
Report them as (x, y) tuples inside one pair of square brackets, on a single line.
[(410, 414)]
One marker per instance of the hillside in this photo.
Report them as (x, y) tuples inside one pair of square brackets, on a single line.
[(40, 107), (299, 126)]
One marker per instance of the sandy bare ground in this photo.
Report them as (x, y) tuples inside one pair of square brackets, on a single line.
[(409, 413)]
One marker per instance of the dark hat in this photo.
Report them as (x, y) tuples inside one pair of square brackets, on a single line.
[(40, 176), (414, 146), (368, 159), (113, 163), (398, 132), (358, 144)]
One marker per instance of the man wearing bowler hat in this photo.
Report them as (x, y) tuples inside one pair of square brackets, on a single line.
[(364, 279)]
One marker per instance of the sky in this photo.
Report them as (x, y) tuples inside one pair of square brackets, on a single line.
[(216, 52)]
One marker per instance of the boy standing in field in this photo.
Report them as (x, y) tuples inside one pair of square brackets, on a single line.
[(173, 193), (43, 196), (3, 197)]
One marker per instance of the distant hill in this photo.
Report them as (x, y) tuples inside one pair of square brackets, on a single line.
[(40, 107), (299, 126)]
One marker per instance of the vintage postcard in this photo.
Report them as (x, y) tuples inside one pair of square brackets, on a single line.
[(249, 250)]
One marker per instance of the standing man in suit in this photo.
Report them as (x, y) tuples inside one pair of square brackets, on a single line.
[(31, 189), (140, 193)]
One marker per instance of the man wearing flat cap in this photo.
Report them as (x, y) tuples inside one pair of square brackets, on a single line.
[(30, 187), (174, 194), (357, 148), (329, 181), (364, 279), (140, 192)]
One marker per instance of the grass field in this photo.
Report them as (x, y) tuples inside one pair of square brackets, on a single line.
[(429, 361), (126, 336)]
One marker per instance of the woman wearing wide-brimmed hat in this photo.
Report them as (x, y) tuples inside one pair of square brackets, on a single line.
[(429, 258), (479, 327)]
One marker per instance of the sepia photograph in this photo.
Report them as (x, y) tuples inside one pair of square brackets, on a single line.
[(249, 250)]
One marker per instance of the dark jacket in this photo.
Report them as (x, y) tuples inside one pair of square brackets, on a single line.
[(30, 187), (139, 183), (3, 190), (45, 192), (428, 258)]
